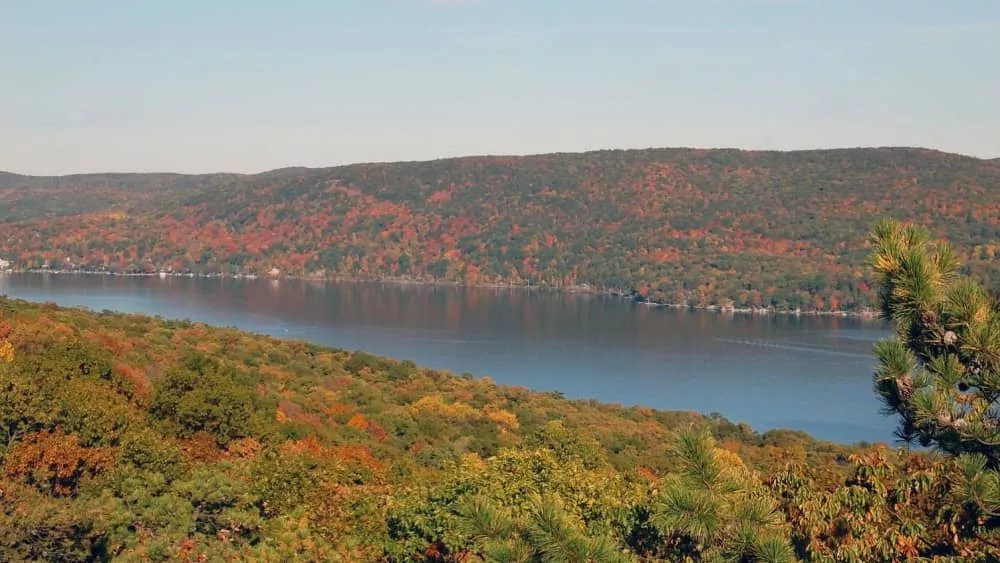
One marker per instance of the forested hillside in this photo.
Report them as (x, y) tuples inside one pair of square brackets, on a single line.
[(135, 439), (46, 197), (702, 227)]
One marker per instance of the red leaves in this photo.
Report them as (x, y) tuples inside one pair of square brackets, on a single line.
[(141, 385)]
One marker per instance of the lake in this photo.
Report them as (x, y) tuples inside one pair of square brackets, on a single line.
[(807, 373)]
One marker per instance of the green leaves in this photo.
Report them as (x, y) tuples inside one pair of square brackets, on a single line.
[(979, 487), (38, 527), (203, 396), (544, 532), (715, 508), (941, 374)]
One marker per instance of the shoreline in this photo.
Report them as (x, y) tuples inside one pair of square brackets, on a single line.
[(584, 289)]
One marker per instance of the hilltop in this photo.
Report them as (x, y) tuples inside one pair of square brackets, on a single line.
[(47, 197), (698, 227)]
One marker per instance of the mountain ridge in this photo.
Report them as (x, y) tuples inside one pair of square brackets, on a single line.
[(726, 227), (490, 155)]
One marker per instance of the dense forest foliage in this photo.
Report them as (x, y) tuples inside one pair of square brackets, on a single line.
[(137, 439), (696, 227), (41, 197)]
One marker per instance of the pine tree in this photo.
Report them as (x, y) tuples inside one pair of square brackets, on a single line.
[(715, 509), (546, 533), (940, 374)]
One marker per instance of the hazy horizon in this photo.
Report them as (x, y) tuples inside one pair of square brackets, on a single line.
[(251, 86)]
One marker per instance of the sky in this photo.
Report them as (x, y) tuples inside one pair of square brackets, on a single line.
[(251, 85)]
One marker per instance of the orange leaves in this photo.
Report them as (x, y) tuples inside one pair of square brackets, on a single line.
[(907, 546), (358, 421), (117, 344), (350, 454), (357, 454), (648, 474), (375, 430), (202, 447), (664, 255), (371, 427), (246, 448), (308, 445), (276, 372), (472, 275), (55, 463)]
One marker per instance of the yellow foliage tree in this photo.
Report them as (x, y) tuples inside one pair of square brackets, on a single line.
[(435, 405), (504, 418), (6, 351)]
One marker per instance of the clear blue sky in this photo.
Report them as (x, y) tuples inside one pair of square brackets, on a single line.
[(249, 85)]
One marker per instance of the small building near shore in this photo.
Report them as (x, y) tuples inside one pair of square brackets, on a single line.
[(4, 264)]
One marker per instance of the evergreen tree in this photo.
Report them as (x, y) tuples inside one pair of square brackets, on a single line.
[(547, 532), (715, 509), (941, 372)]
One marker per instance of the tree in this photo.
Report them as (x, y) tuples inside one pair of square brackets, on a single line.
[(54, 462), (202, 395), (714, 508), (547, 532), (940, 373), (893, 506)]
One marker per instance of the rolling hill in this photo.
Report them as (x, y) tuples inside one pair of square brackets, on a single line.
[(699, 227)]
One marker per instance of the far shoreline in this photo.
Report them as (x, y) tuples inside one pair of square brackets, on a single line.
[(584, 289)]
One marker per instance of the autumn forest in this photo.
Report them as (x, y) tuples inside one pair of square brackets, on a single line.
[(751, 229), (131, 438)]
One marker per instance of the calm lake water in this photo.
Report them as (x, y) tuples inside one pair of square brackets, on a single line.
[(807, 373)]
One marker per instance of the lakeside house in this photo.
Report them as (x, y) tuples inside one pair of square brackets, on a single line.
[(4, 264)]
